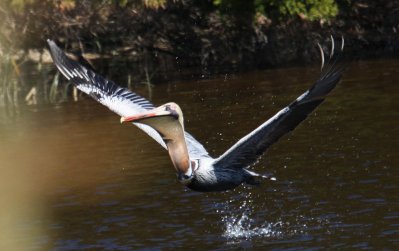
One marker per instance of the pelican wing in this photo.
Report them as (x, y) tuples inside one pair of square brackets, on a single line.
[(119, 100), (248, 149)]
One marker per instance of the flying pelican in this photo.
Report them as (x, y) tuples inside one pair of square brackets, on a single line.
[(195, 168)]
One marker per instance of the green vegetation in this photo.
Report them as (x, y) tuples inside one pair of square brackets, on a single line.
[(306, 9), (9, 69), (9, 83), (310, 9)]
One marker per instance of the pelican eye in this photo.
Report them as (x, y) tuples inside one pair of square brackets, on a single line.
[(184, 178)]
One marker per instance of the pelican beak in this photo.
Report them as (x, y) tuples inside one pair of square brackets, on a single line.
[(156, 112), (167, 120)]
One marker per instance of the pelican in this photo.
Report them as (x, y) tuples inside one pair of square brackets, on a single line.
[(194, 167)]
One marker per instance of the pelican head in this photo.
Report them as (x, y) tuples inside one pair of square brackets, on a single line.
[(168, 121)]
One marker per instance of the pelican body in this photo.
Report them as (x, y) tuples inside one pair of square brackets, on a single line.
[(194, 167)]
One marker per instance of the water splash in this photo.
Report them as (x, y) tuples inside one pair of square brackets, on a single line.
[(243, 221), (245, 228), (238, 221)]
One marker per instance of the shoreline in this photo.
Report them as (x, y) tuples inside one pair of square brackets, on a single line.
[(180, 41)]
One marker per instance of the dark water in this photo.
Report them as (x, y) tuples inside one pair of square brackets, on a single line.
[(73, 178)]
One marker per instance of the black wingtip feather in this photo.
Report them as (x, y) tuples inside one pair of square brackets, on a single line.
[(330, 75)]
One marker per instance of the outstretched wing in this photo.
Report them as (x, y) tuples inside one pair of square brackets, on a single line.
[(119, 100), (248, 149)]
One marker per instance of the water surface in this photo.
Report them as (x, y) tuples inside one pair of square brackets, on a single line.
[(73, 178)]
